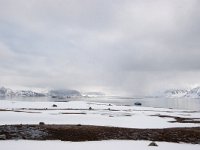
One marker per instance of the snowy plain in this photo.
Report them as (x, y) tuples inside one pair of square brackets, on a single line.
[(93, 145), (102, 114)]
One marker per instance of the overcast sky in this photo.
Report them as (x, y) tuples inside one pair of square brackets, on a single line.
[(130, 47)]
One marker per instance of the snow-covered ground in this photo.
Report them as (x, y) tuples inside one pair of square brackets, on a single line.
[(94, 145), (103, 114)]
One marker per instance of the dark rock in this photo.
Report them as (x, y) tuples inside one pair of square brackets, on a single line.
[(54, 105), (41, 123), (2, 137), (90, 108), (137, 103), (153, 144)]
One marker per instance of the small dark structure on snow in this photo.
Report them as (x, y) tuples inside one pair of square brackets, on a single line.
[(138, 104), (41, 123), (153, 144), (54, 105)]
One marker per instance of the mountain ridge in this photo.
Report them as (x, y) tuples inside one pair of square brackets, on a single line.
[(7, 92), (182, 93)]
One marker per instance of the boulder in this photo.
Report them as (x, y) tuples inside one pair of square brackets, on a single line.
[(41, 123), (137, 103), (153, 144), (54, 105)]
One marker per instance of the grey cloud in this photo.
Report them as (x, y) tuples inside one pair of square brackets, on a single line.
[(132, 46)]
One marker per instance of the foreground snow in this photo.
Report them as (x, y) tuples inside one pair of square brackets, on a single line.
[(95, 145), (77, 112)]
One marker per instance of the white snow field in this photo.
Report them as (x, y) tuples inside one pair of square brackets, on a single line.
[(102, 114), (93, 145)]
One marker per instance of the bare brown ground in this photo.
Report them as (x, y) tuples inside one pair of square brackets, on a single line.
[(95, 133)]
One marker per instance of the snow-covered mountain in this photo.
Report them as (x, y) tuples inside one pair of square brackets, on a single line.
[(175, 93), (6, 92), (179, 93), (28, 94), (193, 93), (64, 93)]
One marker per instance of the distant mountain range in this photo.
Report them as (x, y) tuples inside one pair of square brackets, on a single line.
[(5, 92), (180, 93), (63, 93)]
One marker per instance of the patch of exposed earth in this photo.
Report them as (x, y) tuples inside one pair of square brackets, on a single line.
[(180, 119), (96, 133)]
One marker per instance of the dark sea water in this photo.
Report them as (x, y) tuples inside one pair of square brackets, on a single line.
[(174, 103)]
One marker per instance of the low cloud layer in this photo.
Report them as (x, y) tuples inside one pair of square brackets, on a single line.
[(130, 47)]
